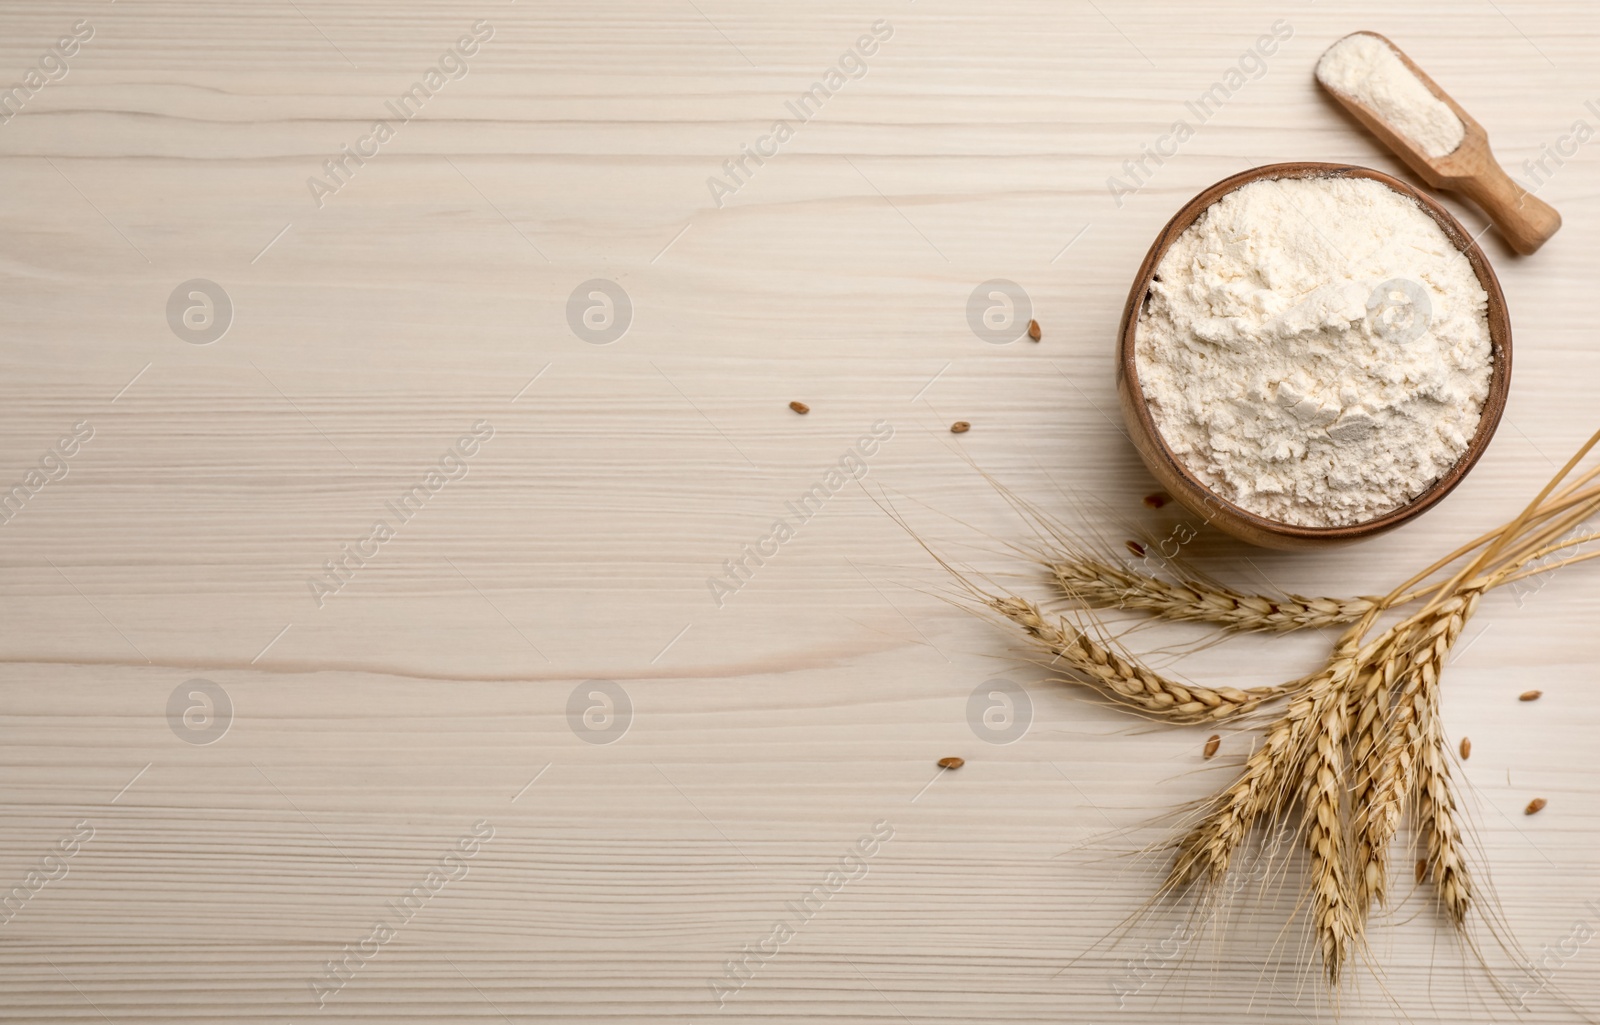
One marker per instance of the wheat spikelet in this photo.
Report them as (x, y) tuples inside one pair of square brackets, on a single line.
[(1102, 585), (1127, 680)]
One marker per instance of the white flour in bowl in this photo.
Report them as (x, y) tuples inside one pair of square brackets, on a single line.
[(1366, 68), (1315, 350)]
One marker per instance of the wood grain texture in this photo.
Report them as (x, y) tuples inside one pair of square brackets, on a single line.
[(770, 735)]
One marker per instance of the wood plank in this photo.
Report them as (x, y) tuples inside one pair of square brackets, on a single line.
[(771, 733)]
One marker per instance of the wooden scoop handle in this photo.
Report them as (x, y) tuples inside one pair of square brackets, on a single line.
[(1526, 221)]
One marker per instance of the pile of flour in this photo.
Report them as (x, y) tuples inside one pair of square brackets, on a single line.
[(1315, 350), (1365, 67)]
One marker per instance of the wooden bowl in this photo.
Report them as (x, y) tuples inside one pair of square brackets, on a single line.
[(1230, 518)]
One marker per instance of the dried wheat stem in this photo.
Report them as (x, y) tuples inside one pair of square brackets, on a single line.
[(1101, 585), (1124, 678)]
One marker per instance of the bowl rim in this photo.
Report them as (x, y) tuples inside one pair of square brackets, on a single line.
[(1499, 324)]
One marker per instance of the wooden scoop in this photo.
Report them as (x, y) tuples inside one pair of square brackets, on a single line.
[(1471, 169)]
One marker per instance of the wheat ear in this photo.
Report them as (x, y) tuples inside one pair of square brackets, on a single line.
[(1415, 661), (1102, 585), (1437, 823), (1207, 849), (1369, 707), (1438, 826), (1436, 797), (1327, 842), (1124, 678)]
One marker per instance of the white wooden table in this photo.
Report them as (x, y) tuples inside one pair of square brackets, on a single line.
[(418, 698)]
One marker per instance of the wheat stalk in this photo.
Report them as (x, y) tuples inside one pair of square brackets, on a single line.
[(1355, 744), (1335, 736)]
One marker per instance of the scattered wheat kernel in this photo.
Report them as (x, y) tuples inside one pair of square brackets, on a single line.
[(1529, 695), (1534, 806), (960, 427), (1212, 743), (952, 762), (1156, 500), (799, 407), (1422, 869), (1033, 330), (1466, 748), (1135, 547)]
